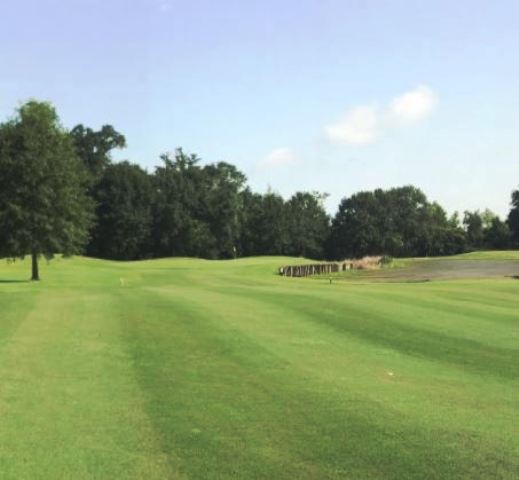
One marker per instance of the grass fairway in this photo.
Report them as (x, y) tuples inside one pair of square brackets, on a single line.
[(213, 370)]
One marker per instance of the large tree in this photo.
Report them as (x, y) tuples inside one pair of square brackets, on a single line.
[(44, 209), (497, 235), (486, 230), (473, 224), (513, 216), (264, 224), (399, 221), (180, 226), (477, 224), (123, 197), (94, 147), (307, 225), (221, 202)]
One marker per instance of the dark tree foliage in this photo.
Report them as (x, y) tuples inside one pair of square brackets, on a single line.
[(513, 217), (473, 223), (354, 228), (222, 202), (44, 208), (50, 180), (307, 225), (486, 230), (178, 229), (196, 210), (399, 222), (94, 147), (497, 235), (123, 197), (264, 224), (252, 205)]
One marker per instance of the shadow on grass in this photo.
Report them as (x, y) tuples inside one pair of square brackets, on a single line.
[(13, 281)]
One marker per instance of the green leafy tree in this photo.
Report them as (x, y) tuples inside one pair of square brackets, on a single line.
[(221, 201), (497, 235), (486, 230), (307, 225), (180, 226), (473, 223), (513, 217), (454, 220), (44, 209), (123, 197), (264, 220), (439, 235), (355, 227), (399, 222), (94, 147), (487, 217), (250, 229)]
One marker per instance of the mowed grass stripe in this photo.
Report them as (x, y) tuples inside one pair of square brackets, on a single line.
[(481, 308), (70, 405), (194, 369), (14, 307), (379, 324), (428, 308), (356, 436), (320, 347), (216, 400)]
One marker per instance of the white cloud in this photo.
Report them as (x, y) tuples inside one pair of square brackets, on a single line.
[(364, 124), (358, 126), (278, 158), (414, 105)]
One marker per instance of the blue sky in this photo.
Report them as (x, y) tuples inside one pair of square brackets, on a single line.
[(327, 95)]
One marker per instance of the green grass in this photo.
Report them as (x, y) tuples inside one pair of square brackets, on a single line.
[(489, 255), (210, 370)]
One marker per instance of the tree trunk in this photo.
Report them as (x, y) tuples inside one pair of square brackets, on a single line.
[(35, 269)]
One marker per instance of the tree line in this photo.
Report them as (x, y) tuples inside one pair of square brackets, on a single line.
[(61, 192)]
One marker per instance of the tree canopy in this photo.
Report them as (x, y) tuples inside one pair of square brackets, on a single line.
[(513, 217), (123, 197), (486, 230), (94, 147), (61, 192), (399, 221), (44, 208)]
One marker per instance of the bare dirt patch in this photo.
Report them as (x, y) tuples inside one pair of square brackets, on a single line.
[(426, 270)]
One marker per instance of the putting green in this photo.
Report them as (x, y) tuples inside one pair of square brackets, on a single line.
[(199, 369)]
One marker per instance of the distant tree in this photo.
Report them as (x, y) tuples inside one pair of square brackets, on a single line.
[(513, 217), (94, 147), (180, 226), (249, 215), (123, 197), (454, 220), (439, 235), (264, 223), (307, 225), (497, 235), (473, 223), (354, 230), (44, 209), (486, 230), (399, 222), (221, 202), (487, 217), (410, 219)]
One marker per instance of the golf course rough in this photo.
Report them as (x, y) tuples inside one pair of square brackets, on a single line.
[(194, 369)]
